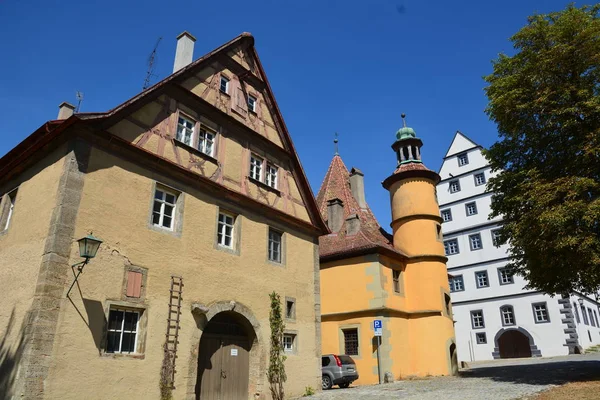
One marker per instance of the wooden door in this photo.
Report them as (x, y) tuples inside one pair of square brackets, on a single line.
[(223, 368), (514, 344)]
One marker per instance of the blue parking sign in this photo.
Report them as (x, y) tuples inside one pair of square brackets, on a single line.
[(377, 327)]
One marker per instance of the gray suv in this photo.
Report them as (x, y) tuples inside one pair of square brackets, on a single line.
[(338, 370)]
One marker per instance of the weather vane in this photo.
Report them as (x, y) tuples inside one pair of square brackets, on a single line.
[(335, 142)]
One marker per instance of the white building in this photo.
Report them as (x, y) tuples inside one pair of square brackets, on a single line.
[(495, 317)]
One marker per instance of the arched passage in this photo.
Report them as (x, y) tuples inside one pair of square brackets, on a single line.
[(224, 357), (453, 360), (514, 343)]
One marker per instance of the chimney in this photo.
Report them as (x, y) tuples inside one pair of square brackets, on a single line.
[(335, 214), (357, 185), (185, 50), (65, 110), (352, 224)]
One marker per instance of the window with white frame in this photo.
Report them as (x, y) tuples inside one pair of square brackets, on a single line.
[(122, 332), (584, 315), (224, 85), (185, 130), (251, 103), (275, 244), (496, 237), (7, 213), (479, 179), (256, 167), (471, 208), (506, 276), (576, 311), (225, 228), (456, 283), (508, 315), (288, 342), (163, 211), (593, 323), (463, 159), (446, 215), (477, 319), (451, 246), (481, 278), (454, 186), (596, 318), (271, 176), (540, 312), (481, 338), (206, 140), (475, 241)]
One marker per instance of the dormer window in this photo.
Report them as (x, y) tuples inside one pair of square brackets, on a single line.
[(463, 159)]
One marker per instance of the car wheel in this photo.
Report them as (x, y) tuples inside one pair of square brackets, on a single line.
[(327, 384), (344, 385)]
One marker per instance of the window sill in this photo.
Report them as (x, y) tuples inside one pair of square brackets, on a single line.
[(225, 93), (197, 152), (264, 186), (123, 355), (230, 250)]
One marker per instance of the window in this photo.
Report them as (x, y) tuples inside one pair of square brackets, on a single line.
[(456, 283), (477, 319), (271, 176), (224, 86), (496, 237), (274, 245), (596, 318), (290, 308), (475, 242), (448, 302), (185, 130), (479, 179), (396, 280), (540, 313), (7, 213), (256, 167), (592, 322), (454, 186), (252, 103), (350, 342), (508, 315), (463, 159), (451, 247), (576, 311), (206, 140), (481, 278), (506, 276), (225, 230), (122, 331), (446, 215), (471, 209), (163, 211), (288, 342), (481, 338), (325, 361), (584, 315)]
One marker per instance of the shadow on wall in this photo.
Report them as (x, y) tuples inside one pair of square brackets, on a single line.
[(10, 356), (542, 373)]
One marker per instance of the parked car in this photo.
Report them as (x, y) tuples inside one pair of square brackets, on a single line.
[(338, 370)]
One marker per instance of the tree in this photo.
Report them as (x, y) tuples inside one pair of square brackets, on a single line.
[(276, 373), (545, 100)]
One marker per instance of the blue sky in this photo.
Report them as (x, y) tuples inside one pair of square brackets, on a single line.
[(335, 66)]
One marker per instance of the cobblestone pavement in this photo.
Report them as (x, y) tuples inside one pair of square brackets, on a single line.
[(498, 380)]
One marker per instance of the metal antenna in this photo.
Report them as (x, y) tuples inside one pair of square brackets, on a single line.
[(335, 143), (79, 96), (151, 65)]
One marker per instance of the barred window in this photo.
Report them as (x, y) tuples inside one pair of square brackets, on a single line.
[(350, 342)]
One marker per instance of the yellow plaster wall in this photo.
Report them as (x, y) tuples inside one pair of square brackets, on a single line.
[(344, 285), (115, 205), (22, 245), (415, 196)]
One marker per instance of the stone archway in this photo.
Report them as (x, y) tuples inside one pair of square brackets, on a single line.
[(514, 343), (203, 315)]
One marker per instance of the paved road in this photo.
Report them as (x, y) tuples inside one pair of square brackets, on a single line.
[(499, 380)]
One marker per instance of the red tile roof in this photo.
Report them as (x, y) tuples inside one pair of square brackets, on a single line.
[(370, 236)]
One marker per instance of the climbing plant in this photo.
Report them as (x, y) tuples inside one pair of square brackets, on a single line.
[(276, 373)]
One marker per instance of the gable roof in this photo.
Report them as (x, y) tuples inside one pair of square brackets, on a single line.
[(370, 237), (460, 143), (52, 129)]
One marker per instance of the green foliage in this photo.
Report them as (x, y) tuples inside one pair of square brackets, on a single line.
[(276, 373), (545, 101), (308, 391)]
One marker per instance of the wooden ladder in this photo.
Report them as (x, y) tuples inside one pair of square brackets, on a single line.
[(172, 338)]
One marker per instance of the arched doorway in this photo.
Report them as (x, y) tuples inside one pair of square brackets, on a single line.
[(453, 360), (223, 358), (514, 344)]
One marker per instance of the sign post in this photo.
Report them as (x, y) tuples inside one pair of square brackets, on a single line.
[(378, 327)]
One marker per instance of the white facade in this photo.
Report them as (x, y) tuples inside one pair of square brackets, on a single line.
[(495, 316)]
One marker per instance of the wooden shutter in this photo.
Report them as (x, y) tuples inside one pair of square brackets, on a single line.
[(239, 99), (134, 284)]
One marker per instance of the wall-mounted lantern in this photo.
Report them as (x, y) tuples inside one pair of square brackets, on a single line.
[(88, 247)]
